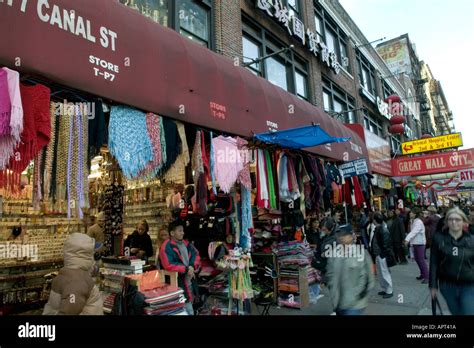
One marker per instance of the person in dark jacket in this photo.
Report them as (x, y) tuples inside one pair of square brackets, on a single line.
[(328, 227), (471, 219), (179, 255), (452, 264), (381, 247), (397, 233), (313, 235), (431, 222), (139, 242)]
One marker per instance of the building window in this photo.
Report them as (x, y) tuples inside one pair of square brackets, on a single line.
[(387, 91), (366, 74), (338, 102), (301, 85), (156, 10), (293, 7), (191, 18), (286, 70), (333, 36), (373, 124), (194, 21), (276, 73), (251, 51), (395, 141)]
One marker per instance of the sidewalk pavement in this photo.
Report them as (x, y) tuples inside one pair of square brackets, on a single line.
[(410, 297)]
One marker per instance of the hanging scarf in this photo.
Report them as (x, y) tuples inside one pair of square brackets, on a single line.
[(5, 105), (262, 198), (271, 184), (36, 125), (247, 221), (153, 124), (172, 146), (228, 164), (179, 167), (196, 162), (244, 175), (212, 165), (50, 154), (129, 141), (62, 156), (97, 129), (9, 96)]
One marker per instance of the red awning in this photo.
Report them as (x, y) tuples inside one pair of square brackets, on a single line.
[(159, 70)]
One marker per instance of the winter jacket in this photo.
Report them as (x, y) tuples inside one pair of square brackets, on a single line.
[(381, 242), (452, 260), (417, 233), (350, 281), (73, 291), (431, 222), (172, 260), (397, 231)]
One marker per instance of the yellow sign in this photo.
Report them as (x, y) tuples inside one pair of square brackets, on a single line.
[(432, 144)]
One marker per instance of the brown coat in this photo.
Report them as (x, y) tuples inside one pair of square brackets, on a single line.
[(73, 291)]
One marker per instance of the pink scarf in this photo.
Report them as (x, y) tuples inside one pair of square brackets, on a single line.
[(11, 114)]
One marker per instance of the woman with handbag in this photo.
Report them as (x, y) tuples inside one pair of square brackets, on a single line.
[(417, 239), (452, 264)]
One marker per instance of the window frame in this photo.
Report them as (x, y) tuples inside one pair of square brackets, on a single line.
[(268, 43), (371, 121), (173, 19), (336, 93), (328, 23), (364, 65)]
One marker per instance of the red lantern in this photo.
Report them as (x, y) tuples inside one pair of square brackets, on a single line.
[(397, 129), (426, 136), (391, 99), (397, 119)]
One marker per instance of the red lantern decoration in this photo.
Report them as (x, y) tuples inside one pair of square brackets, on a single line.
[(426, 136), (397, 129), (397, 119), (391, 99)]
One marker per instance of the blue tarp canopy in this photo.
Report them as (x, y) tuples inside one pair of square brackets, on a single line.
[(299, 138)]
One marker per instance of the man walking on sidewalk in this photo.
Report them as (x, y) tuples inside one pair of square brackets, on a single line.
[(382, 250)]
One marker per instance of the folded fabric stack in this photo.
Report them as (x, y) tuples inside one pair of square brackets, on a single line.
[(313, 275), (165, 300), (294, 253), (289, 301), (109, 299)]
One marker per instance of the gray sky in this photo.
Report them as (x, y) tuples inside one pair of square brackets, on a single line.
[(443, 32)]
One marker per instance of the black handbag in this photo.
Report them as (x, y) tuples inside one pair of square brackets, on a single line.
[(435, 303)]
